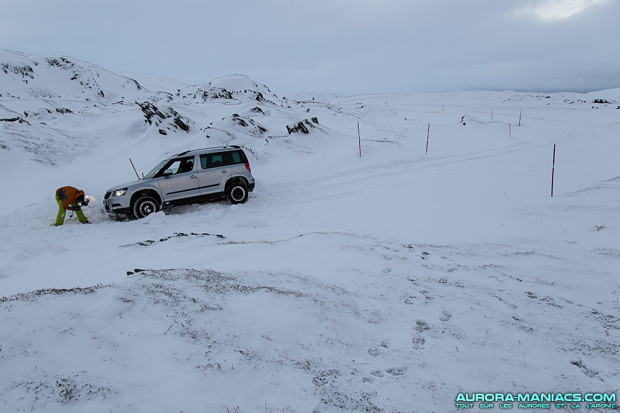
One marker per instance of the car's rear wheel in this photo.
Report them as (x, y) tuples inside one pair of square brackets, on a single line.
[(237, 193), (144, 206)]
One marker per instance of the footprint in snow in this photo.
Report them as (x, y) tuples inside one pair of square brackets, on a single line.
[(378, 350), (418, 342), (422, 326), (445, 316), (410, 300), (396, 371)]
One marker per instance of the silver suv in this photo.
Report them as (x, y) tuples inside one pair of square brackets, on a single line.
[(187, 177)]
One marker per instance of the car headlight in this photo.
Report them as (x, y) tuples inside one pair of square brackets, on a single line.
[(120, 192)]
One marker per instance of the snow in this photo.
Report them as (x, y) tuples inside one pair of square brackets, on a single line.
[(387, 282), (234, 83)]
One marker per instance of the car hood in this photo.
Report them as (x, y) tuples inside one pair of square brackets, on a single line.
[(126, 185)]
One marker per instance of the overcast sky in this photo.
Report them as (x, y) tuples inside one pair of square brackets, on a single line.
[(342, 46)]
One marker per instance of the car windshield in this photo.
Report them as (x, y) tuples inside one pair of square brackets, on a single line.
[(156, 169)]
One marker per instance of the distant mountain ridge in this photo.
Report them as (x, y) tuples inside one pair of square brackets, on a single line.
[(76, 84)]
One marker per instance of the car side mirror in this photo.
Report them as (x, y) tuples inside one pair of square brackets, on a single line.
[(167, 172)]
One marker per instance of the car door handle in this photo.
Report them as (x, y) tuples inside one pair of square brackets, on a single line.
[(193, 177)]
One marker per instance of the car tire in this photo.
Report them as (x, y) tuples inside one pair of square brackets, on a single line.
[(237, 192), (145, 205)]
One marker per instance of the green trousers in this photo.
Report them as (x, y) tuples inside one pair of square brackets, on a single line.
[(60, 218)]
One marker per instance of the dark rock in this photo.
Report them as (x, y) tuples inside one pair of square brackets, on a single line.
[(54, 62), (216, 94), (246, 123), (239, 120), (25, 71), (150, 111), (153, 114), (17, 119), (298, 128), (182, 125)]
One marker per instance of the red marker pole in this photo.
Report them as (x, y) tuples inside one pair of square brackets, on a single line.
[(359, 138), (428, 133), (134, 169), (553, 170)]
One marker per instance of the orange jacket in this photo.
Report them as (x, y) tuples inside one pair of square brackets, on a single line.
[(69, 194)]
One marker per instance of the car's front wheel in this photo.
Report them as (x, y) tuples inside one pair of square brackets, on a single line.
[(144, 206), (237, 193)]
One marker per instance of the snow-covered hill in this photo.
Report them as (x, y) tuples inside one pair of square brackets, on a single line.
[(436, 263), (63, 80), (45, 101)]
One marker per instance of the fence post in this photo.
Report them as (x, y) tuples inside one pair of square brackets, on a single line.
[(428, 133), (553, 170), (359, 138)]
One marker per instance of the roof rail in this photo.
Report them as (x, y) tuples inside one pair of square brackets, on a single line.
[(213, 147)]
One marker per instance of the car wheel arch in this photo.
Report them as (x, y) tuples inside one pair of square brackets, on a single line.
[(145, 192), (236, 179)]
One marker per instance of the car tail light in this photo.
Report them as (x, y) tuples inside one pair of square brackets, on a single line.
[(247, 165)]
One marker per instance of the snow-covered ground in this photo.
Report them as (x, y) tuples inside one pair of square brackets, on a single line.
[(388, 282)]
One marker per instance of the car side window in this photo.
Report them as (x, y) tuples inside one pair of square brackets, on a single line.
[(179, 166), (186, 165), (213, 160), (217, 160)]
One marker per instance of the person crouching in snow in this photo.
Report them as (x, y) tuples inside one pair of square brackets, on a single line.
[(72, 199)]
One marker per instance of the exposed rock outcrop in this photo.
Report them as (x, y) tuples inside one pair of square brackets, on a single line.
[(168, 119), (303, 126)]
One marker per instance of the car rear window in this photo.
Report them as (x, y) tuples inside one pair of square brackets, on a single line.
[(236, 157)]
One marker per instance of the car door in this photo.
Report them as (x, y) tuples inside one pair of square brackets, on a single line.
[(179, 179), (213, 172)]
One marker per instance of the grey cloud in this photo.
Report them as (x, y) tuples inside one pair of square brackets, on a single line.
[(346, 46)]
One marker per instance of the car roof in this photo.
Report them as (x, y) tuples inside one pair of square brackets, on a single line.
[(207, 150)]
